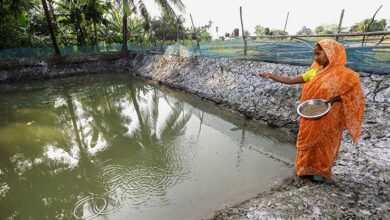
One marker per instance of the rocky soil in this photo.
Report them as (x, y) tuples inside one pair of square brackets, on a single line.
[(361, 180)]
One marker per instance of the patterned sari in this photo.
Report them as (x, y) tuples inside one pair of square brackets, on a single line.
[(319, 139)]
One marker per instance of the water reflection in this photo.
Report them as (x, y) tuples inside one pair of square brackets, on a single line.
[(86, 147)]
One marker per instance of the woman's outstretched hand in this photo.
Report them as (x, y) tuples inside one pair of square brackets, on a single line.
[(265, 75), (282, 79)]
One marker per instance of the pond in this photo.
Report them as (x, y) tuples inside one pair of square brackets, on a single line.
[(114, 147)]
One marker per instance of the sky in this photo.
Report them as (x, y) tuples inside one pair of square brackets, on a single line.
[(272, 13)]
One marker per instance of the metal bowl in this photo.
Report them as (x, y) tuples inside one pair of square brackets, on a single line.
[(313, 102)]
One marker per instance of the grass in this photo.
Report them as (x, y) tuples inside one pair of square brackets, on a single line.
[(382, 54)]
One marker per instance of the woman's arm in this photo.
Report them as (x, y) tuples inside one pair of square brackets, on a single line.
[(282, 79)]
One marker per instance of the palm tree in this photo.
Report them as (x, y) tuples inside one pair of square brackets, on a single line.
[(51, 30), (94, 11), (139, 6)]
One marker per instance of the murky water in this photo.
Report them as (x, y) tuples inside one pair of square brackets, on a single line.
[(111, 147)]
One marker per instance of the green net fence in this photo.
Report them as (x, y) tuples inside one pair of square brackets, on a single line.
[(371, 57), (368, 58)]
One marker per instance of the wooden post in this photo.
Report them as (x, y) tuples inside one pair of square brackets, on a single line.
[(243, 32), (196, 34), (285, 24), (368, 26), (340, 22), (177, 30)]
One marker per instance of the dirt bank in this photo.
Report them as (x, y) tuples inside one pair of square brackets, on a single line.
[(27, 69), (361, 186)]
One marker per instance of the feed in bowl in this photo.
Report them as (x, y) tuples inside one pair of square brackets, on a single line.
[(313, 110)]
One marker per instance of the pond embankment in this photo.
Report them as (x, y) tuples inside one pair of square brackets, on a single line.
[(25, 69), (361, 185)]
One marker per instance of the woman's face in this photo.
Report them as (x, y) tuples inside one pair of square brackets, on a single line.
[(320, 56)]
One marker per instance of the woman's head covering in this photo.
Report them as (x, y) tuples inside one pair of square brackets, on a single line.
[(334, 51)]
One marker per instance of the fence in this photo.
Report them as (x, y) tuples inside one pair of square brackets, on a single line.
[(70, 50), (372, 57)]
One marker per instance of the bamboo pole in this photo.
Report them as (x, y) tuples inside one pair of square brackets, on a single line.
[(285, 24), (340, 22), (368, 26), (243, 32)]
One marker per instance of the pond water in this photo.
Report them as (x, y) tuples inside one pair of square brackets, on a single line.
[(113, 147)]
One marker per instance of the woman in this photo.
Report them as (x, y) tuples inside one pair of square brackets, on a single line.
[(319, 139)]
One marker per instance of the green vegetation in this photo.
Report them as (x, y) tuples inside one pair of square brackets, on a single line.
[(236, 32), (260, 30), (47, 23), (361, 26), (328, 28), (375, 26), (305, 31)]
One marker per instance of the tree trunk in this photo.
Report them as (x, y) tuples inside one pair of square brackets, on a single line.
[(196, 35), (243, 32), (124, 46), (82, 38), (79, 28), (54, 16), (49, 24), (95, 32), (96, 37), (163, 42)]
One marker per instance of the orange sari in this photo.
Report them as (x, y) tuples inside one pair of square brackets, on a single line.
[(319, 139)]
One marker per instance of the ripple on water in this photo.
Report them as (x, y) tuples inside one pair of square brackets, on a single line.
[(137, 185), (92, 206)]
